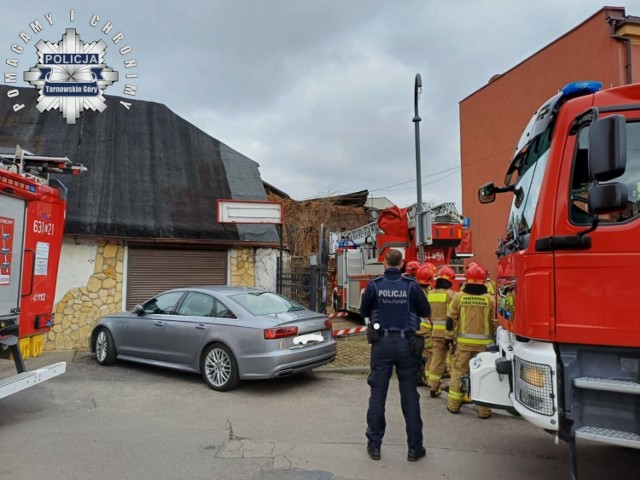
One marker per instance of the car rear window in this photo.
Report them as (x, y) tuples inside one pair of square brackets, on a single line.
[(265, 303)]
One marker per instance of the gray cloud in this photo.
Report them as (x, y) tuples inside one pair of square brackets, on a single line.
[(320, 92)]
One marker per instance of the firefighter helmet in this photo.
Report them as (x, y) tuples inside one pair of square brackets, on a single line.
[(469, 265), (447, 273), (412, 267), (424, 275), (476, 274)]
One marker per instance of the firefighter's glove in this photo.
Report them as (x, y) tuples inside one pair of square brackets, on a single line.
[(449, 324)]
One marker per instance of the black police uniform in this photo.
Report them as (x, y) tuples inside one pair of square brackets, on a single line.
[(396, 303)]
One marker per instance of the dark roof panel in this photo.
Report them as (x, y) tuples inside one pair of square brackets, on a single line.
[(150, 173)]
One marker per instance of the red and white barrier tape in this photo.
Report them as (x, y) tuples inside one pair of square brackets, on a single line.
[(349, 331), (338, 314)]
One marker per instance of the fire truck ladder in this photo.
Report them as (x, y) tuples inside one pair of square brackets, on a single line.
[(367, 233), (37, 167)]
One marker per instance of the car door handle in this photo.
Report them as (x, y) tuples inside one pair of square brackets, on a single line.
[(159, 323), (201, 327)]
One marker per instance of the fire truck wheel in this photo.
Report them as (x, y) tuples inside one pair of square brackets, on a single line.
[(105, 348), (219, 368)]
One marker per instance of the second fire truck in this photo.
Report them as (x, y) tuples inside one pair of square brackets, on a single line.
[(359, 253)]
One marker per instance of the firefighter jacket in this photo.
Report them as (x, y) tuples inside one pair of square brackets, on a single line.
[(425, 323), (395, 302), (439, 300), (473, 318)]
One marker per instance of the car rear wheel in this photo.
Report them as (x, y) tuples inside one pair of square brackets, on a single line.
[(105, 348), (219, 368)]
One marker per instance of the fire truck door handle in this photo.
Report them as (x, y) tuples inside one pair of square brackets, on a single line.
[(33, 271)]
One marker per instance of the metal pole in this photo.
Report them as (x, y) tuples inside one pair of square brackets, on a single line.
[(420, 210), (279, 280)]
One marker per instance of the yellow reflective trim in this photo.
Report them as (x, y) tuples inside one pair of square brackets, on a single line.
[(439, 327), (437, 298), (455, 395), (425, 325), (431, 376), (474, 341)]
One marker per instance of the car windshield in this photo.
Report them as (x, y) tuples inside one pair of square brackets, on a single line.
[(265, 303)]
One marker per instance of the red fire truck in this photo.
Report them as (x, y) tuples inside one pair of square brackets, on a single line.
[(568, 348), (32, 216), (358, 254)]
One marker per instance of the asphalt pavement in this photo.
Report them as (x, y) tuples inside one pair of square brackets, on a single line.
[(131, 421)]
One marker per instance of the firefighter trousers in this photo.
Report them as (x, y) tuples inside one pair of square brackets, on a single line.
[(460, 367), (436, 365)]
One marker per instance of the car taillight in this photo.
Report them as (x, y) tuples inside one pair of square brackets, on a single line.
[(328, 324), (280, 332)]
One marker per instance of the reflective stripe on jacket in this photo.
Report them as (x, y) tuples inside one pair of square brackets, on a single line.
[(473, 315), (439, 300)]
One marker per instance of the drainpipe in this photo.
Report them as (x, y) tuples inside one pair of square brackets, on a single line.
[(615, 23)]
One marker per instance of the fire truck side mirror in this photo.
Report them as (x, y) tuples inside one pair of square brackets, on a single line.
[(608, 198), (487, 193), (607, 148)]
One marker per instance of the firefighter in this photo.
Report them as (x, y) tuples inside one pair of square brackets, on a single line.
[(439, 299), (424, 277), (471, 316), (395, 305), (411, 269)]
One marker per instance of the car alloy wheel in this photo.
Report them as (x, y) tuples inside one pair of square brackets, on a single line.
[(219, 368), (105, 348)]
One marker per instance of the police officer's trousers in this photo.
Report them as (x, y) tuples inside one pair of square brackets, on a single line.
[(393, 350)]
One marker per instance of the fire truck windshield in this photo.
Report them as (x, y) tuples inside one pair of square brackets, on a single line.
[(527, 169)]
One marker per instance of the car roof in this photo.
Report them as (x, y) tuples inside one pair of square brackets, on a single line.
[(221, 289)]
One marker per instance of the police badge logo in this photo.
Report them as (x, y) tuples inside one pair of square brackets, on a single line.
[(71, 76)]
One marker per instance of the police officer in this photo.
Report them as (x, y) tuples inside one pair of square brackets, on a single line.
[(471, 315), (394, 304), (439, 299)]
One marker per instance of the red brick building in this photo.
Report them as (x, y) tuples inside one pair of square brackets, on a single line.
[(605, 47)]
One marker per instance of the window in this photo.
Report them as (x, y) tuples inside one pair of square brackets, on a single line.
[(197, 304), (163, 304), (579, 212), (265, 303), (222, 311), (528, 167)]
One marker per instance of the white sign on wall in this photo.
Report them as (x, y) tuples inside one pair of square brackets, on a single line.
[(240, 211)]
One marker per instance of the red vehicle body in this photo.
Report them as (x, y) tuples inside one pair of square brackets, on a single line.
[(32, 217), (358, 254), (569, 341)]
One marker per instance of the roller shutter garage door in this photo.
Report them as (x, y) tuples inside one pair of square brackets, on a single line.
[(153, 270)]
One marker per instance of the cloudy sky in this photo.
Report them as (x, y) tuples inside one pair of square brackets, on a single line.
[(318, 92)]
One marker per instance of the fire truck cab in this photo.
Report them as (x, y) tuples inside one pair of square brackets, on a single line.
[(567, 354)]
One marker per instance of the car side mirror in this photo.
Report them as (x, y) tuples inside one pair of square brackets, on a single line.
[(138, 309)]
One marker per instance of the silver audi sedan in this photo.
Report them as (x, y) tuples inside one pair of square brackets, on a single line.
[(227, 334)]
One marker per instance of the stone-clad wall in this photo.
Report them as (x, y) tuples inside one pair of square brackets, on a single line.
[(242, 263), (80, 308)]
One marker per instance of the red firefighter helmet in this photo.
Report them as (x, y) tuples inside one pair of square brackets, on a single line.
[(469, 265), (430, 265), (424, 275), (447, 273), (476, 274), (412, 267)]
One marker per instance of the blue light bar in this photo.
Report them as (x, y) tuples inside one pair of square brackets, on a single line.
[(576, 89)]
